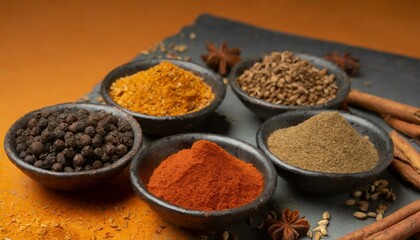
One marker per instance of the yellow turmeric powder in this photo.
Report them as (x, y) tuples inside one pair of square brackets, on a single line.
[(163, 90)]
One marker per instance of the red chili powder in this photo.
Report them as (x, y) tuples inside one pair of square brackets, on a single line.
[(206, 178)]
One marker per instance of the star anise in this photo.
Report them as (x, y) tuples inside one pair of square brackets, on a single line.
[(346, 62), (288, 227), (223, 59)]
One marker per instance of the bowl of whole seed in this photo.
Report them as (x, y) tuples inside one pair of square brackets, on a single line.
[(73, 146), (165, 96), (325, 151), (283, 81)]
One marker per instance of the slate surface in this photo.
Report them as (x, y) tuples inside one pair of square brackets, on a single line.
[(391, 76)]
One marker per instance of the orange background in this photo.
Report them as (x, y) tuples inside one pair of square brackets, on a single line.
[(56, 51)]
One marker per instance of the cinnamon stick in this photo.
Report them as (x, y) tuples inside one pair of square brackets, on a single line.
[(380, 225), (407, 149), (409, 129), (406, 172), (384, 106), (402, 230)]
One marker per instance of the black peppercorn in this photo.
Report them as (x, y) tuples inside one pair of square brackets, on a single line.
[(124, 126), (87, 151), (23, 154), (91, 122), (96, 141), (42, 123), (100, 131), (35, 131), (109, 149), (20, 147), (38, 164), (89, 130), (88, 167), (31, 159), (105, 157), (37, 148), (52, 125), (97, 164), (70, 142), (111, 119), (58, 133), (59, 144), (98, 152), (69, 153), (57, 167), (85, 140), (68, 169), (121, 150), (46, 135), (60, 158), (63, 126), (77, 127), (78, 160), (71, 118), (32, 123)]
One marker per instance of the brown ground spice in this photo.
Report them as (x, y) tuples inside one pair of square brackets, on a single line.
[(324, 143)]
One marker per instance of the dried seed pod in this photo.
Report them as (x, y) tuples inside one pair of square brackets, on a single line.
[(360, 215), (392, 198), (326, 215), (379, 217), (374, 196)]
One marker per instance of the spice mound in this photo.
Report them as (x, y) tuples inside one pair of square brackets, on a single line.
[(324, 143), (163, 90), (73, 140), (283, 78), (206, 178)]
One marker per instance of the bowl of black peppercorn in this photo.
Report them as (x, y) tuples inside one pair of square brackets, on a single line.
[(73, 146)]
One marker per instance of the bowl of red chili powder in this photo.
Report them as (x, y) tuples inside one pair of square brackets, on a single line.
[(203, 181)]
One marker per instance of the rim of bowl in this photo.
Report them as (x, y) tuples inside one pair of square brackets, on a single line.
[(382, 165), (269, 185), (10, 149), (219, 91), (331, 67)]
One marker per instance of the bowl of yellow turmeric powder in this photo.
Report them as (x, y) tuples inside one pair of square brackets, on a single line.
[(165, 96)]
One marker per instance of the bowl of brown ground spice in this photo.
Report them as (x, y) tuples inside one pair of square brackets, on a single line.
[(165, 96), (202, 181), (73, 146), (325, 151), (283, 81)]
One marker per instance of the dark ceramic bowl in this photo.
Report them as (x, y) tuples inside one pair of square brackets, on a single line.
[(327, 183), (72, 181), (265, 110), (166, 125), (151, 156)]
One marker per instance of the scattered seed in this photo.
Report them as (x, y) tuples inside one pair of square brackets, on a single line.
[(318, 228), (350, 202), (309, 234), (379, 217), (326, 215), (324, 232), (371, 214), (359, 215), (357, 193), (323, 222), (318, 235)]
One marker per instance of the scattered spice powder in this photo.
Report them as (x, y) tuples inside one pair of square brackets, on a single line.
[(163, 90), (324, 143), (206, 178)]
